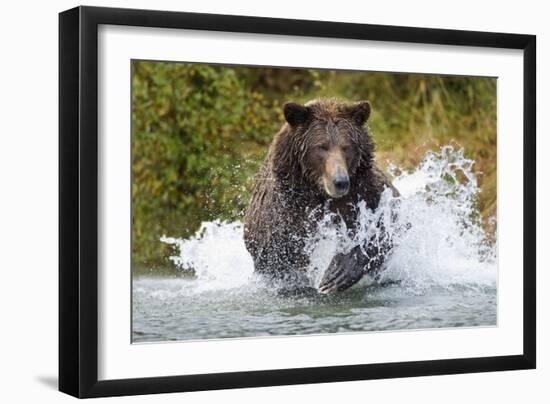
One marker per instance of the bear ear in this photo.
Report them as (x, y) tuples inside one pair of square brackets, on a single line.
[(296, 114), (360, 112)]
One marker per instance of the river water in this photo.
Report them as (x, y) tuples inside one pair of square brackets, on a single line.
[(442, 271)]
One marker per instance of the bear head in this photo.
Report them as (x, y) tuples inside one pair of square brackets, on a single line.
[(324, 145)]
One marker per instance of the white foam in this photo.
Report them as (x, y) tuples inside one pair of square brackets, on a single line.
[(217, 254)]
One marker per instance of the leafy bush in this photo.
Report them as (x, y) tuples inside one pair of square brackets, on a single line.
[(187, 120)]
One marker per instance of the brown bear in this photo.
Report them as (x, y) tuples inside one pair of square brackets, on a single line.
[(321, 157)]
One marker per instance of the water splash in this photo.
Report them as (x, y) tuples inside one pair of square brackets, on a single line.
[(446, 244), (434, 226), (217, 255)]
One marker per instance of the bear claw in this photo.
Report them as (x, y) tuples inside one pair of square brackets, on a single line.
[(344, 271)]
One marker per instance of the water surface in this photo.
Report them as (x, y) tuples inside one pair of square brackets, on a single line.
[(167, 309)]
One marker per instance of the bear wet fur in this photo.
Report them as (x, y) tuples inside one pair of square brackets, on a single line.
[(322, 157)]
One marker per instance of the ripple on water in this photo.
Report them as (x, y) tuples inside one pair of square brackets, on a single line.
[(226, 314)]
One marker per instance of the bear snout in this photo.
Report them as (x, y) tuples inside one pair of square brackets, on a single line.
[(335, 177), (341, 184), (337, 185)]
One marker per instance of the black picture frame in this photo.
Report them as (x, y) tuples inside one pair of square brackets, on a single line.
[(78, 201)]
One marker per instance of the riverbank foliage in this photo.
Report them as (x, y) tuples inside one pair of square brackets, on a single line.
[(200, 132)]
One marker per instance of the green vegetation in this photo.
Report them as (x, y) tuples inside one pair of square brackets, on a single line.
[(201, 131)]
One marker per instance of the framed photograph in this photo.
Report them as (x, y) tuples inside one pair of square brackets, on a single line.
[(251, 201)]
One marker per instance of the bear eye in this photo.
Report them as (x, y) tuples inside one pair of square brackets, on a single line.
[(323, 147), (346, 148)]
